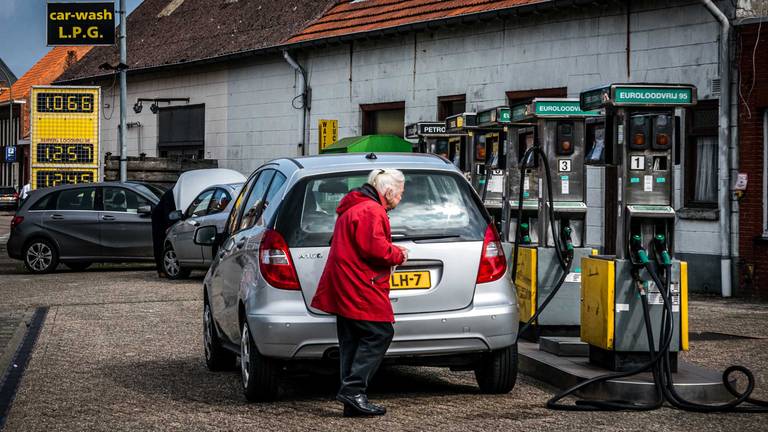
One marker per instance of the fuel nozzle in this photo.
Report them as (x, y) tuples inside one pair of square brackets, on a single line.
[(660, 248), (638, 253), (525, 233), (566, 232)]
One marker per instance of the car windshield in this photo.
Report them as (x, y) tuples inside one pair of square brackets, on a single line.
[(435, 206)]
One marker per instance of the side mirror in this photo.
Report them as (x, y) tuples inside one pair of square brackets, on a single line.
[(206, 236), (175, 215), (144, 210)]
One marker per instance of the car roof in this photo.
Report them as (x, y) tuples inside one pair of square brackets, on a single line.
[(330, 163)]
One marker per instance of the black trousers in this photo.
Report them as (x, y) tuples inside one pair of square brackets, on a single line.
[(362, 345)]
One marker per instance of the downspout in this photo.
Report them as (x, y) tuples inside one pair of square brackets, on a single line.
[(306, 97), (727, 155)]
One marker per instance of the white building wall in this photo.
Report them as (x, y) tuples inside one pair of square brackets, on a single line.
[(249, 117)]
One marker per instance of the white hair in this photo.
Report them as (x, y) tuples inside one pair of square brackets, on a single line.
[(386, 179)]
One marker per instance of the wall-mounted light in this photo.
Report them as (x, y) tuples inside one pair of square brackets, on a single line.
[(137, 107)]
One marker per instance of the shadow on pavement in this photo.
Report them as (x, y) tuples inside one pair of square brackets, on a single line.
[(188, 380)]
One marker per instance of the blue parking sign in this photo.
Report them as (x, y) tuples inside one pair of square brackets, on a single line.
[(10, 154)]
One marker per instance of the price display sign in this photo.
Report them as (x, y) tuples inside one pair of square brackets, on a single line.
[(64, 135)]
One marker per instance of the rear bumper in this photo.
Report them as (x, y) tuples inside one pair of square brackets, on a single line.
[(310, 336), (15, 246)]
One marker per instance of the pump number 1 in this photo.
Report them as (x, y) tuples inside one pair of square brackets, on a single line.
[(637, 163), (564, 165)]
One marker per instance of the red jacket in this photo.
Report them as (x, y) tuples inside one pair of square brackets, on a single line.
[(355, 281)]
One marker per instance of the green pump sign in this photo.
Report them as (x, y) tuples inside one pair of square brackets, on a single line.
[(561, 109), (653, 96)]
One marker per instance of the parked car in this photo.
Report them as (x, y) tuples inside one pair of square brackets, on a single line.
[(191, 183), (454, 304), (80, 224), (9, 198), (211, 207)]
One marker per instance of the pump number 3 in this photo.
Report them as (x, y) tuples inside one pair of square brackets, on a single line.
[(564, 165), (637, 163)]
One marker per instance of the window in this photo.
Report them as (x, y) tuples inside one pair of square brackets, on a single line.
[(199, 206), (234, 214), (123, 200), (254, 205), (450, 105), (45, 203), (76, 199), (701, 174), (181, 132), (386, 118), (433, 204), (518, 97), (219, 202)]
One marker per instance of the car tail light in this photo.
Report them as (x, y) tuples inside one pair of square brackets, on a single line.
[(275, 262), (493, 263), (16, 221)]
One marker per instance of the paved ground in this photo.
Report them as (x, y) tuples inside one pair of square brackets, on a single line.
[(121, 350)]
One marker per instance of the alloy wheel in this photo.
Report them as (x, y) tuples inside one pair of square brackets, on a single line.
[(39, 256), (245, 355), (171, 263)]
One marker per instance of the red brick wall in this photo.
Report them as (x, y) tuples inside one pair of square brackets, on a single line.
[(752, 103)]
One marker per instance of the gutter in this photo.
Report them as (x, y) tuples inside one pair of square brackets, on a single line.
[(728, 156), (306, 101), (336, 40)]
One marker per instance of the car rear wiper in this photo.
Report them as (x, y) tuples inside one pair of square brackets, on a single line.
[(398, 236)]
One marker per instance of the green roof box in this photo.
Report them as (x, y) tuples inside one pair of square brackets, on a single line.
[(370, 143)]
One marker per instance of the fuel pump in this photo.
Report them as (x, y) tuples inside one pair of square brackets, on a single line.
[(545, 213), (433, 138), (489, 159), (460, 130), (638, 139)]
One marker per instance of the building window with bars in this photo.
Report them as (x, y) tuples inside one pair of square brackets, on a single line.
[(701, 170), (450, 105), (181, 132)]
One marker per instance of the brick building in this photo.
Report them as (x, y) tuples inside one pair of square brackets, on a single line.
[(752, 61)]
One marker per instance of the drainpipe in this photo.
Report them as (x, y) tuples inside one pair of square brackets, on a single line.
[(306, 96), (727, 155)]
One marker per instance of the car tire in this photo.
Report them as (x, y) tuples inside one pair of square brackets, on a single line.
[(40, 256), (497, 371), (171, 266), (217, 358), (258, 374), (78, 266)]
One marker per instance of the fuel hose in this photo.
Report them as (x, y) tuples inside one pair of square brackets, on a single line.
[(565, 259)]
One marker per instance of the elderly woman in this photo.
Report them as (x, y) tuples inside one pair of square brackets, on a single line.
[(355, 284)]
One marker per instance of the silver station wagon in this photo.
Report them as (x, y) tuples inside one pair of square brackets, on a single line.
[(453, 300)]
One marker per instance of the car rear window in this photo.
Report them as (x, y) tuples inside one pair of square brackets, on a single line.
[(435, 206)]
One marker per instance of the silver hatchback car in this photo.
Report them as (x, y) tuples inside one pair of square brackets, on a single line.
[(454, 303)]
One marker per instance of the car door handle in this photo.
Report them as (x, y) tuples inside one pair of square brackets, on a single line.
[(240, 243), (57, 217), (107, 217)]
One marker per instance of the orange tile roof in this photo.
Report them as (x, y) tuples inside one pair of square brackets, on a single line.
[(45, 71), (347, 17)]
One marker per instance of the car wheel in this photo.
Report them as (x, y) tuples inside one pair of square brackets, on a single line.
[(258, 373), (171, 265), (78, 266), (497, 371), (41, 256), (217, 357)]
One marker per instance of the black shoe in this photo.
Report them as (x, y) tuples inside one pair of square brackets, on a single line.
[(358, 405)]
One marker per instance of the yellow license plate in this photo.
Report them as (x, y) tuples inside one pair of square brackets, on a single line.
[(410, 280)]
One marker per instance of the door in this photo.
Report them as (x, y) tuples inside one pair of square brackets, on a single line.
[(234, 258), (124, 232), (73, 223), (217, 216), (184, 231)]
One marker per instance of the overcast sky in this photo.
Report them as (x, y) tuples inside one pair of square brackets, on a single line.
[(22, 32)]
